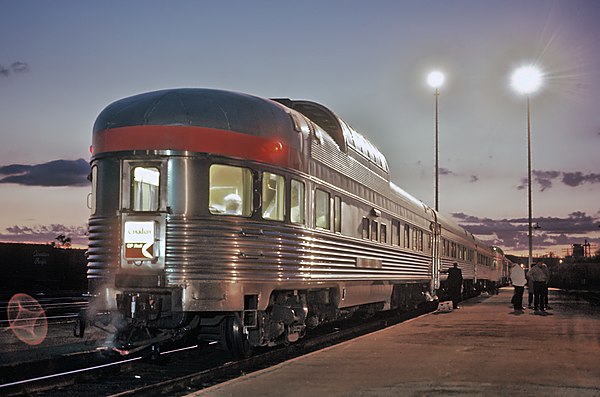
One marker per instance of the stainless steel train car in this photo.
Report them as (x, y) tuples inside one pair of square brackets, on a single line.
[(225, 216)]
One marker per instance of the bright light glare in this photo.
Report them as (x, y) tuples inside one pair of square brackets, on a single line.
[(526, 79), (435, 79)]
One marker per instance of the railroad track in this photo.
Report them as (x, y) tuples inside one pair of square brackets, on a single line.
[(178, 372)]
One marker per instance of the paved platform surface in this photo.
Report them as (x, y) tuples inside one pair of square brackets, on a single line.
[(482, 349)]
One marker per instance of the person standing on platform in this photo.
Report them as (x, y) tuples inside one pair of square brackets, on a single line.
[(547, 273), (455, 281), (540, 279), (518, 280), (529, 291)]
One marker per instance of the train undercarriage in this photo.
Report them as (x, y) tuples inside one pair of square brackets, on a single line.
[(143, 323)]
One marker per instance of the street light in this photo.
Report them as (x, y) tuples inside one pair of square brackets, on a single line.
[(435, 80), (526, 80)]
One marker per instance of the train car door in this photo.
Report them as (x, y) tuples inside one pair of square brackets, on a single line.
[(143, 216)]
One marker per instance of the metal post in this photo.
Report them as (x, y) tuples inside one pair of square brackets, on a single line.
[(437, 177), (529, 183)]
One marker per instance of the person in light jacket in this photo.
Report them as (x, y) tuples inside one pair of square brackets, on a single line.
[(518, 280)]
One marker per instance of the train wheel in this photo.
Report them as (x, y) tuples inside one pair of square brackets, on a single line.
[(233, 338)]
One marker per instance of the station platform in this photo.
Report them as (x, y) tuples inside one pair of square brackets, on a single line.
[(481, 349)]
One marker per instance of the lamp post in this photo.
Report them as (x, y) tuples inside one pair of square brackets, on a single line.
[(435, 80), (526, 80)]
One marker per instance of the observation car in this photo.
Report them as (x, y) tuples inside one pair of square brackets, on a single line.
[(223, 216)]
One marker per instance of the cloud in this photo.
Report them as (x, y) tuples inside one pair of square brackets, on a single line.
[(578, 178), (513, 234), (19, 67), (546, 178), (447, 171), (53, 173), (45, 234), (15, 67)]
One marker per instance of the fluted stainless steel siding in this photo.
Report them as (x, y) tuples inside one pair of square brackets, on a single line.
[(103, 250), (219, 249)]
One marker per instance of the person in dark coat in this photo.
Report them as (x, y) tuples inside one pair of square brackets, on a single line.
[(455, 281), (540, 280)]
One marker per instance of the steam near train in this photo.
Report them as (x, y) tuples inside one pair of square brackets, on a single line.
[(223, 216)]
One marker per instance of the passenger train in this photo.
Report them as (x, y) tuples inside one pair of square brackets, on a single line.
[(228, 217)]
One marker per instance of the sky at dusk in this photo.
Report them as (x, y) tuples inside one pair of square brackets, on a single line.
[(62, 62)]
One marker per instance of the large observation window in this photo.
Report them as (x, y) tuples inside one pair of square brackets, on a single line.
[(145, 183), (297, 202), (273, 196), (322, 210), (230, 190)]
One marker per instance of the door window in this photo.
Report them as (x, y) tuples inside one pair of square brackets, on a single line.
[(145, 188)]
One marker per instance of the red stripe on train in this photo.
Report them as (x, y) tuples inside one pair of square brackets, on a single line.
[(196, 139)]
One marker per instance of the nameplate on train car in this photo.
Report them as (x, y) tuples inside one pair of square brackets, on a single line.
[(369, 263), (138, 238)]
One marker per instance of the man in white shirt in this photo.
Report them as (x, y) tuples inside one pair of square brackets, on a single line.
[(518, 280)]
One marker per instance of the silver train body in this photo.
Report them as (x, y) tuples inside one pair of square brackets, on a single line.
[(232, 217)]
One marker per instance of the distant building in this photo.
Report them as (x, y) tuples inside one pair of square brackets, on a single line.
[(578, 251)]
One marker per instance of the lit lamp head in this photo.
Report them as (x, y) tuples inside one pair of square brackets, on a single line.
[(435, 79), (526, 79)]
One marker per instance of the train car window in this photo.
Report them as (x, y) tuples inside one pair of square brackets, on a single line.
[(297, 202), (322, 209), (337, 214), (383, 233), (273, 196), (145, 184), (395, 232), (406, 236), (365, 228), (415, 245), (94, 189), (230, 190), (374, 230)]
